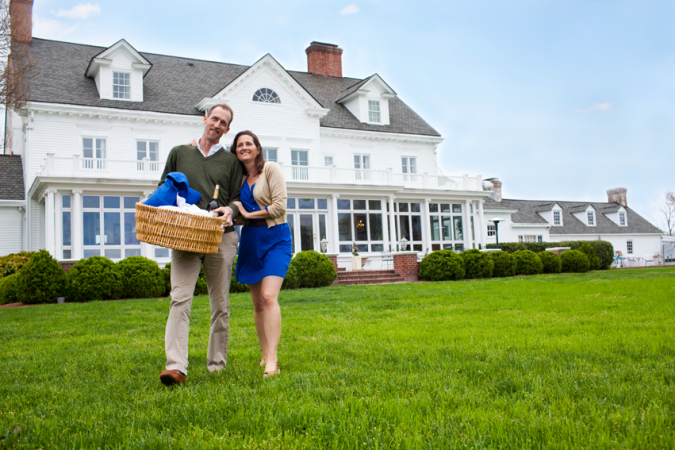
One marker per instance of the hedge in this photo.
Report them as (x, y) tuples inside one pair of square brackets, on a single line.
[(9, 287), (528, 263), (551, 262), (42, 280), (313, 269), (142, 277), (477, 264), (505, 264), (442, 265), (603, 249), (574, 261), (94, 278), (13, 262)]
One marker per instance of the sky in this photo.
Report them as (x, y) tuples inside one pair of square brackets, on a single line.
[(559, 99)]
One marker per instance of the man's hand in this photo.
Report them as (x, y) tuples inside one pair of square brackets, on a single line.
[(227, 215)]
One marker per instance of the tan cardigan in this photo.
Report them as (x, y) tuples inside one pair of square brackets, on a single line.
[(270, 192)]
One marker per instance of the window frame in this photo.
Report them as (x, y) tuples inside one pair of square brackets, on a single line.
[(374, 112), (95, 162), (123, 212), (115, 95), (271, 94), (453, 214), (154, 163), (369, 245), (590, 218), (629, 247), (622, 219), (266, 151), (557, 223)]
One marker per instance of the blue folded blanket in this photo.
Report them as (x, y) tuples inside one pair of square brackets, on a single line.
[(176, 183)]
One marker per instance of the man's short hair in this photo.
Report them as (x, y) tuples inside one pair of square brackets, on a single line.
[(225, 107)]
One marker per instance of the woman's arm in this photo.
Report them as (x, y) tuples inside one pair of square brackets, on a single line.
[(262, 214), (277, 185)]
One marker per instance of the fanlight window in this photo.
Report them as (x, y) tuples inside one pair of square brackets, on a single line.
[(266, 95)]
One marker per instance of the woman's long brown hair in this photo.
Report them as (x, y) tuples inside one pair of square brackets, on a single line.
[(259, 160)]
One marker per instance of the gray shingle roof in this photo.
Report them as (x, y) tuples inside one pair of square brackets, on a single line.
[(11, 180), (528, 213), (172, 86)]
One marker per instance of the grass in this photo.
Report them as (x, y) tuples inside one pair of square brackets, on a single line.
[(551, 361)]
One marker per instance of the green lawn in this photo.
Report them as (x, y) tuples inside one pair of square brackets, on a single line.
[(551, 361)]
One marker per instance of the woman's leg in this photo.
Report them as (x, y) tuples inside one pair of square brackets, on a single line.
[(265, 296)]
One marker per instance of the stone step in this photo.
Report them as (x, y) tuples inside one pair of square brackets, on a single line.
[(368, 277)]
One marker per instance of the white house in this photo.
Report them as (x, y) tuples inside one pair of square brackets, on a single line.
[(99, 123)]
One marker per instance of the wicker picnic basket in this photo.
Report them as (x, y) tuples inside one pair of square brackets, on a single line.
[(178, 230)]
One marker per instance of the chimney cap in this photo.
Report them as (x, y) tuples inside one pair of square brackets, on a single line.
[(322, 43)]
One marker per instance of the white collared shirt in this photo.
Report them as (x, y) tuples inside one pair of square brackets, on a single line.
[(214, 148)]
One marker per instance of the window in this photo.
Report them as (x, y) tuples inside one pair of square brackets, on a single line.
[(66, 227), (266, 95), (121, 85), (93, 151), (622, 220), (408, 166), (327, 160), (629, 247), (150, 150), (447, 226), (299, 163), (360, 222), (311, 216), (491, 230), (591, 218), (109, 226), (362, 167), (373, 111), (530, 238), (270, 154), (556, 218), (408, 225)]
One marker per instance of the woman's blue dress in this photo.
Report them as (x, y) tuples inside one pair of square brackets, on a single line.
[(263, 251)]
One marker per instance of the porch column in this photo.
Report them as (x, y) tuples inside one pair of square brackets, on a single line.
[(392, 225), (334, 244), (386, 238), (77, 238), (481, 221), (426, 227), (467, 226), (50, 232)]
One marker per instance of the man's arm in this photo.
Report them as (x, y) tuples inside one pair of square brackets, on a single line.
[(236, 175)]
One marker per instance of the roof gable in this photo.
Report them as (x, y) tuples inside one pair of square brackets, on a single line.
[(108, 55)]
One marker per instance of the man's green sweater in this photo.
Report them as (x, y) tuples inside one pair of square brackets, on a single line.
[(203, 173)]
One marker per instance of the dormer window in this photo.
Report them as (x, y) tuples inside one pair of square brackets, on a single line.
[(266, 95), (557, 219), (591, 218), (373, 111), (121, 85), (622, 219)]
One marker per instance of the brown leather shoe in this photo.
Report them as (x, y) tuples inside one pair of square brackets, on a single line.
[(171, 377)]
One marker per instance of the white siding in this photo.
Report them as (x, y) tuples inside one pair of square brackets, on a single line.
[(10, 230)]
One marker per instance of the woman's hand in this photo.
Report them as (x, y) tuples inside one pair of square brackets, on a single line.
[(193, 143), (245, 214)]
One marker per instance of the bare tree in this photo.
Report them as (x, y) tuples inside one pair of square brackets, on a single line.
[(667, 208), (16, 67)]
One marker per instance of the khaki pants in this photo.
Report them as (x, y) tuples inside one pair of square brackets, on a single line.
[(184, 273)]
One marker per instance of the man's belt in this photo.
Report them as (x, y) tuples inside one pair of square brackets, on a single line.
[(255, 223)]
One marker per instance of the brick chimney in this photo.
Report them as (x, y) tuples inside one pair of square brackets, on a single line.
[(618, 195), (324, 59), (497, 191), (21, 21)]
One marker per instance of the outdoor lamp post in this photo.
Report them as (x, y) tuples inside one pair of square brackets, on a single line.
[(496, 221), (404, 244), (324, 245)]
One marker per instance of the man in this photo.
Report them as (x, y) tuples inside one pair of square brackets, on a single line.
[(204, 166)]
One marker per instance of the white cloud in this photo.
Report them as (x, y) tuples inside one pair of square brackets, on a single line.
[(81, 11), (52, 28), (351, 9), (604, 107)]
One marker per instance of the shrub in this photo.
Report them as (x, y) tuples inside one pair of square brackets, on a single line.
[(477, 264), (166, 272), (551, 262), (8, 289), (527, 263), (201, 287), (142, 277), (94, 278), (589, 251), (605, 252), (291, 280), (41, 280), (505, 264), (236, 286), (13, 262), (574, 261), (442, 265), (313, 269)]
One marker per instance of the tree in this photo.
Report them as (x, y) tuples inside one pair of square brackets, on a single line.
[(16, 67), (667, 208)]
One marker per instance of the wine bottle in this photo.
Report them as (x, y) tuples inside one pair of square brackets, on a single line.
[(214, 202)]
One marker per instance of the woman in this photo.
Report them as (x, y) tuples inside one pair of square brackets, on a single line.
[(265, 246)]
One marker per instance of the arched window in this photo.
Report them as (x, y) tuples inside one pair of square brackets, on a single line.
[(266, 95)]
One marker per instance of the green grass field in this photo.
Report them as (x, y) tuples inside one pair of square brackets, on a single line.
[(550, 361)]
